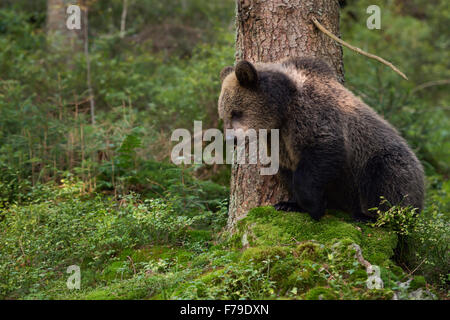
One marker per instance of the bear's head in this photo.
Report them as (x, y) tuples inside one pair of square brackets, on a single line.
[(253, 97)]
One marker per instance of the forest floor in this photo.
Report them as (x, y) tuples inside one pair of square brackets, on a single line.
[(148, 249)]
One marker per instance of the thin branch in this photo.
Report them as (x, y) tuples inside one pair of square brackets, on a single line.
[(430, 84), (358, 50), (79, 102), (132, 264), (88, 64), (415, 269)]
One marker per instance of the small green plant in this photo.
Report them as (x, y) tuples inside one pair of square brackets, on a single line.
[(401, 220), (425, 237)]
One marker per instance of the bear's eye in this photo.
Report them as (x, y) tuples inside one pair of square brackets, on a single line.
[(236, 114)]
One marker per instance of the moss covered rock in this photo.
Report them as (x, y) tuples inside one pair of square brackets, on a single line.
[(264, 226)]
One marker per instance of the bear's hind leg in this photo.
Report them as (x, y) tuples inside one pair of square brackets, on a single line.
[(356, 208), (381, 178)]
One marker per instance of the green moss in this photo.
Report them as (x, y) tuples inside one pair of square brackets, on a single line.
[(89, 278), (305, 254), (273, 227), (260, 254), (321, 293), (283, 268), (114, 270), (200, 235), (125, 265), (377, 244), (161, 252), (396, 270), (378, 294), (197, 288), (143, 287), (309, 250), (143, 254), (212, 276), (389, 278), (288, 256), (100, 294), (264, 226), (343, 257), (221, 258), (305, 276), (417, 283), (200, 261), (359, 275)]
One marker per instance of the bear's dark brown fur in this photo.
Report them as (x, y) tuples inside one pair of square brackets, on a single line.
[(335, 151)]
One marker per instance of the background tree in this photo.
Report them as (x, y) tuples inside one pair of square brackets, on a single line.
[(61, 37), (267, 32), (69, 42)]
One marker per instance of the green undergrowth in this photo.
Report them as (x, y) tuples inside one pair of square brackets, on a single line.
[(102, 196), (273, 255), (136, 248), (288, 255)]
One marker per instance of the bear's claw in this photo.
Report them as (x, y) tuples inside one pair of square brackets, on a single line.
[(287, 206)]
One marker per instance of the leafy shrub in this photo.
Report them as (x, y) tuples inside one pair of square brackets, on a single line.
[(425, 237), (41, 239)]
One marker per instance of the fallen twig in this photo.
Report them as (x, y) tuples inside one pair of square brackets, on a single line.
[(132, 264)]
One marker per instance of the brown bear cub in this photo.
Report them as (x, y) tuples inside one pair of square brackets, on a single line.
[(335, 151)]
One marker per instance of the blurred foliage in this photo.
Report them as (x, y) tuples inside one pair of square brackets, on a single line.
[(110, 185), (63, 226), (413, 37)]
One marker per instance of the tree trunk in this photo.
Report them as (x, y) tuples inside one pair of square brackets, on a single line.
[(269, 31), (61, 37), (68, 41), (88, 64), (123, 19)]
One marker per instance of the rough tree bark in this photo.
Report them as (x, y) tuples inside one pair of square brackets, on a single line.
[(269, 31)]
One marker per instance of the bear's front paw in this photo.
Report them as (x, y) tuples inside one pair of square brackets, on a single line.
[(287, 206)]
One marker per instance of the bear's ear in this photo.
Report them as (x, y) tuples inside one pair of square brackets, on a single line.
[(246, 74), (225, 71)]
